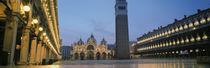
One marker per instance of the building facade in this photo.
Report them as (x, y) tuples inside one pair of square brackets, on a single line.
[(29, 32), (65, 51), (91, 50), (122, 37), (188, 37)]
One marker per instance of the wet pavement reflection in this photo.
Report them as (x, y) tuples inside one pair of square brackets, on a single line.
[(134, 63)]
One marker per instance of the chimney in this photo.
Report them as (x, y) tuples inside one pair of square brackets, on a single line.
[(185, 16), (175, 20), (199, 10)]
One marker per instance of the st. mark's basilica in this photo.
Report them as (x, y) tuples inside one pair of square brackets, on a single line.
[(90, 50)]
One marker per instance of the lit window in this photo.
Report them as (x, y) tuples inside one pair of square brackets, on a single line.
[(182, 41), (177, 52), (158, 35), (194, 28), (204, 36), (169, 32), (198, 38), (166, 43), (177, 29), (208, 19), (163, 33), (177, 41), (187, 40), (170, 43), (172, 31), (163, 44), (166, 33), (192, 39), (185, 27), (203, 21), (190, 25), (191, 50), (180, 28), (197, 50), (174, 42), (196, 23)]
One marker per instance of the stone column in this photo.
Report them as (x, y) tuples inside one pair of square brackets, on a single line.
[(50, 55), (33, 51), (46, 55), (10, 39), (24, 47), (10, 31), (26, 39), (42, 53), (39, 52)]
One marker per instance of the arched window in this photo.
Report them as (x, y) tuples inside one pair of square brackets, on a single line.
[(198, 37), (203, 21), (204, 36), (186, 26), (196, 23), (90, 47), (180, 28)]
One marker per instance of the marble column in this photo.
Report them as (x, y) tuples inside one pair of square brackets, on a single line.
[(33, 51)]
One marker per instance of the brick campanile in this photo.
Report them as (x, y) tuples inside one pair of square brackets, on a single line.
[(122, 39)]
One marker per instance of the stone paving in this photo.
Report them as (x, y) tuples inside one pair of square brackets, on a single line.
[(134, 63)]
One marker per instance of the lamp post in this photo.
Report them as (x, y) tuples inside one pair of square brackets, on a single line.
[(26, 36)]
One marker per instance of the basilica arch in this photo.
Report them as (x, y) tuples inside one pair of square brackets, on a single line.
[(90, 55), (90, 47), (82, 56), (76, 56), (104, 56), (98, 56)]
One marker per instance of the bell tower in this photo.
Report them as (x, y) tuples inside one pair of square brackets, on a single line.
[(122, 36)]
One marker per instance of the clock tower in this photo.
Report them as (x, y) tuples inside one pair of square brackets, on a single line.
[(121, 21)]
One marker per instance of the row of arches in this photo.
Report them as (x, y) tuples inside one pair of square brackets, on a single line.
[(177, 41), (173, 29), (90, 55)]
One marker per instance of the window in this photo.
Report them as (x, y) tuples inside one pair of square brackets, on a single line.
[(121, 8), (185, 27), (196, 23), (90, 47), (190, 25)]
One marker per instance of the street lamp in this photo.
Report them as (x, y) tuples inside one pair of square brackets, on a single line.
[(44, 34), (46, 37), (35, 21), (26, 8), (40, 29)]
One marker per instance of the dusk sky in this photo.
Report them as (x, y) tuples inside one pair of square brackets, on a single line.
[(81, 18)]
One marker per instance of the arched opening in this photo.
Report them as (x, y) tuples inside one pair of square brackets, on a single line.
[(76, 56), (104, 56), (98, 55), (109, 56), (82, 56), (90, 55), (90, 47)]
